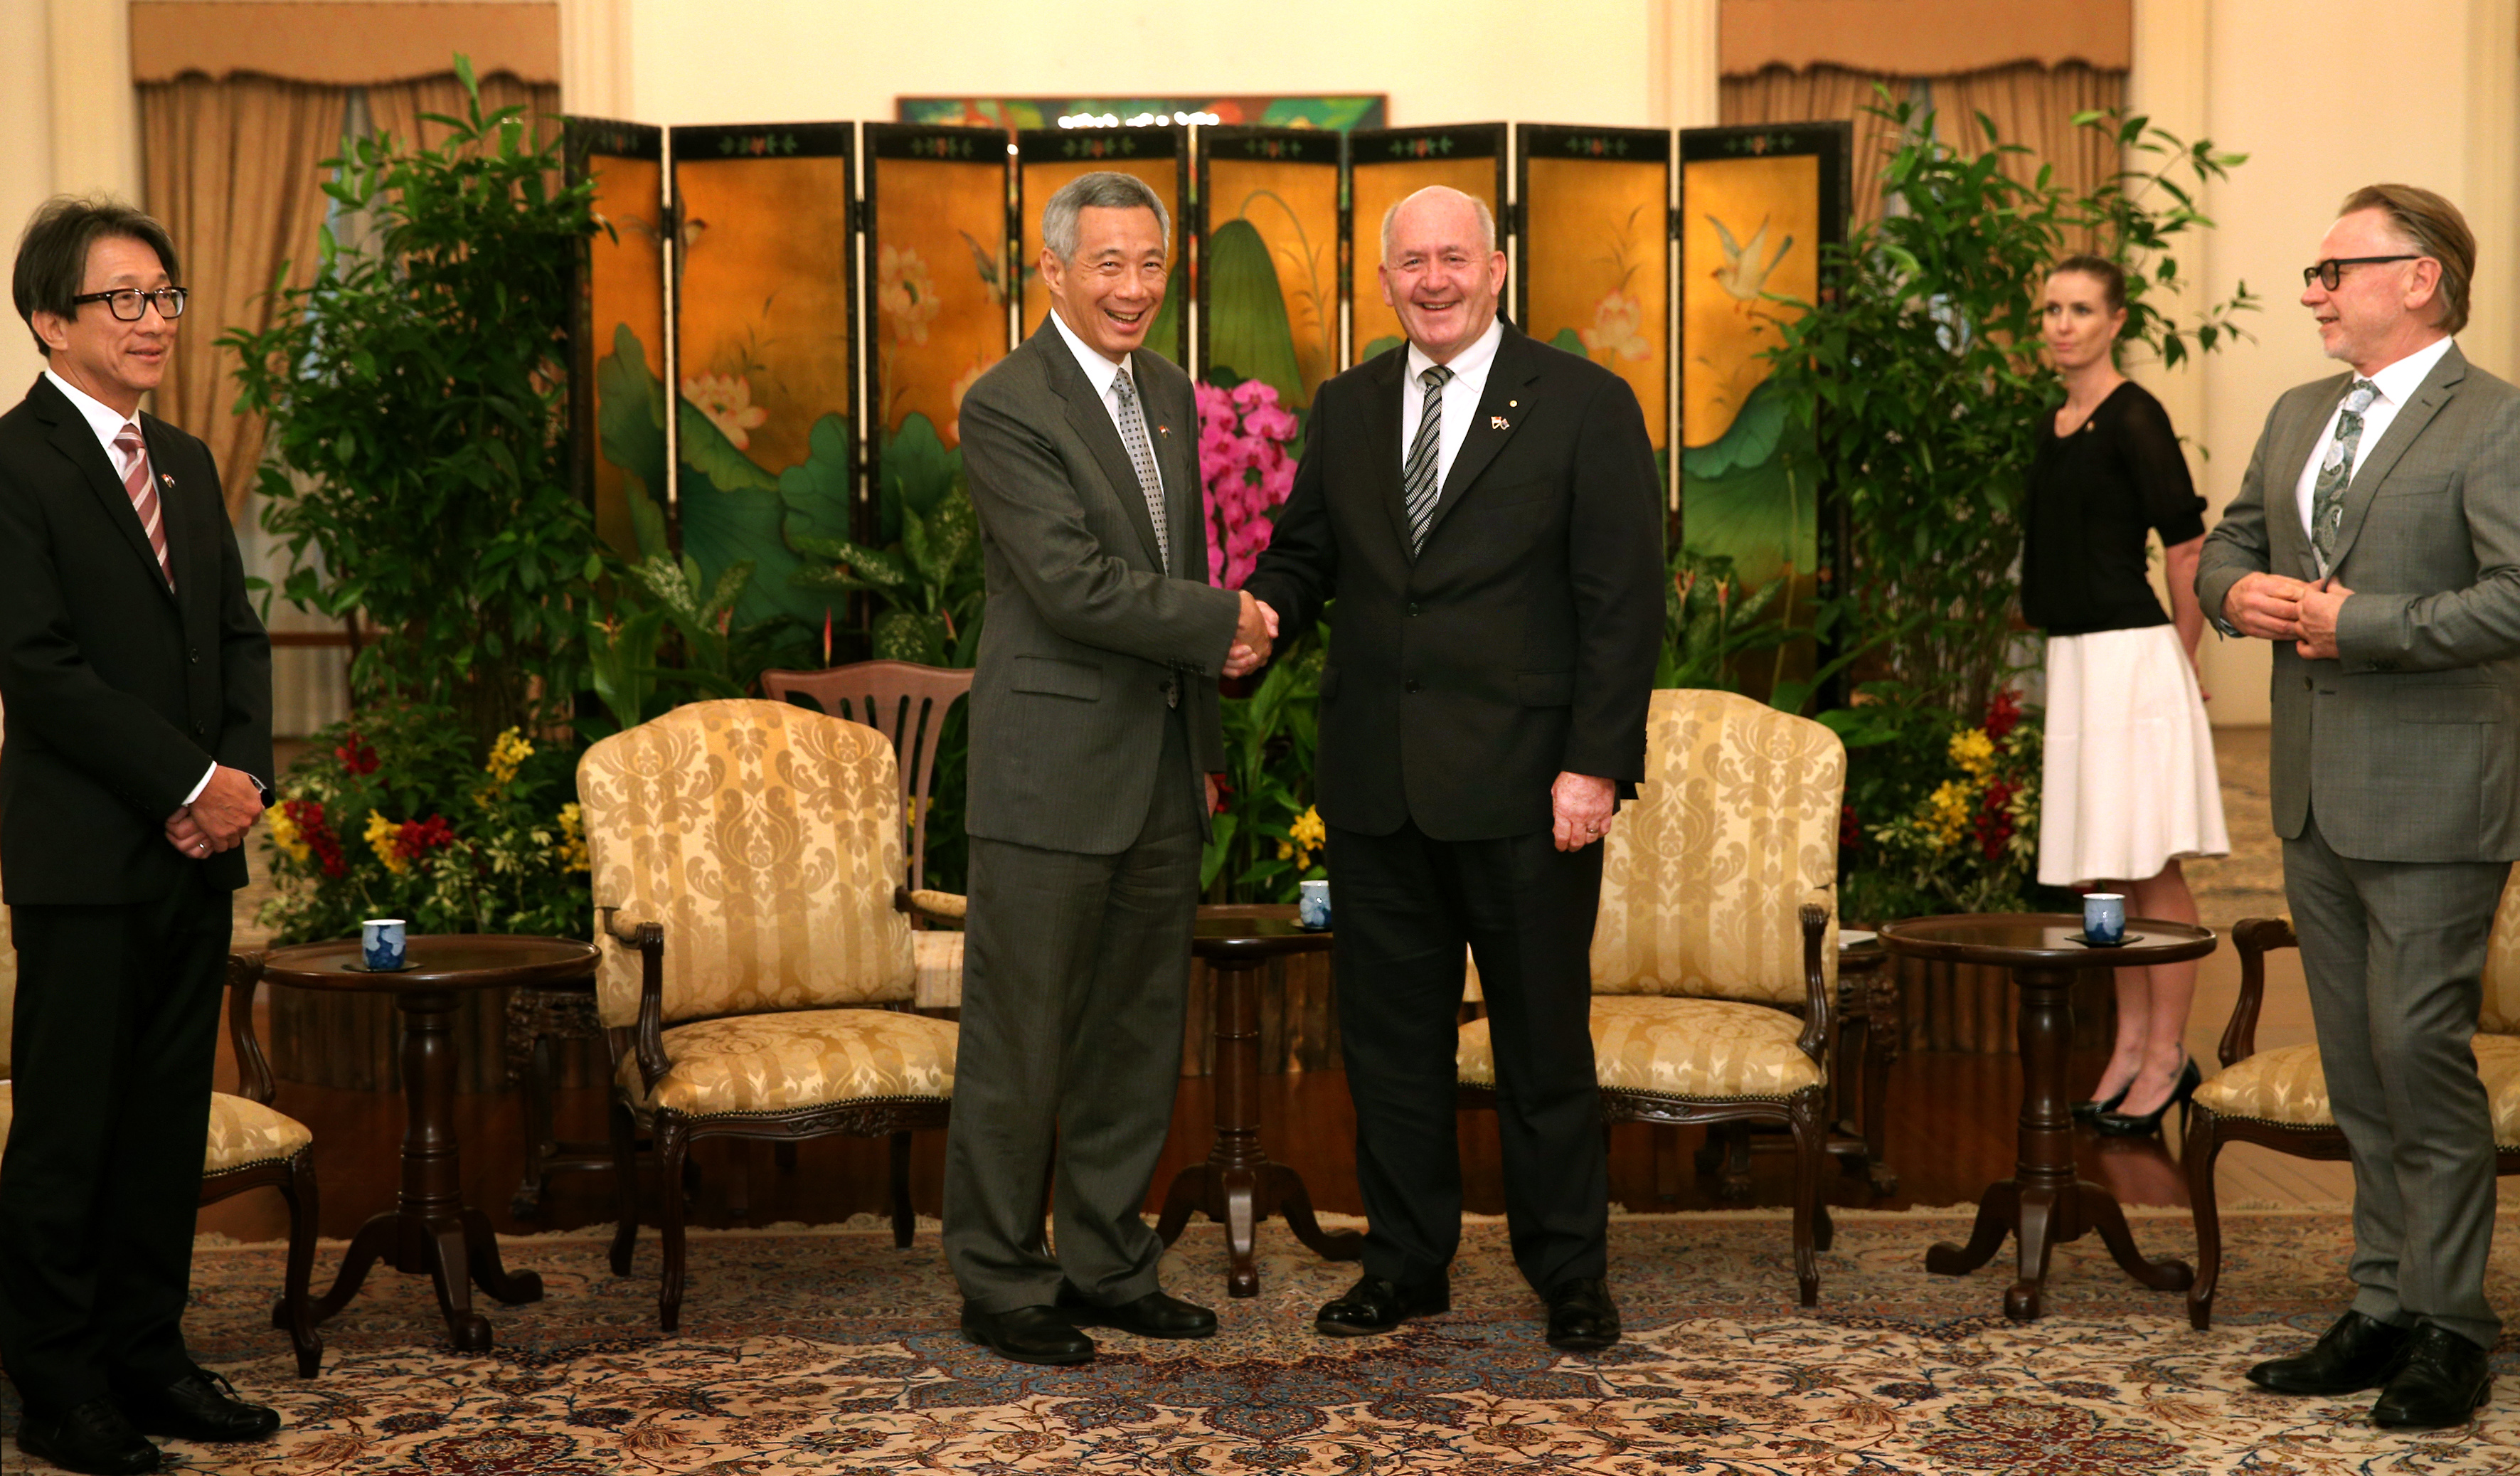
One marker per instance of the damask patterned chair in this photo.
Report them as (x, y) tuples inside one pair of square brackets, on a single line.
[(1715, 951), (756, 971), (2278, 1098), (252, 1147)]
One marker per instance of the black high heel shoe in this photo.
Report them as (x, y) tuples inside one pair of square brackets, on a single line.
[(2124, 1125), (2090, 1107)]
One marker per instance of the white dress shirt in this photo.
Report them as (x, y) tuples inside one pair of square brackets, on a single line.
[(107, 422), (2396, 385), (1102, 373), (1462, 393)]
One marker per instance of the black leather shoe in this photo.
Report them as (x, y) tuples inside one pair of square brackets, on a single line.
[(1581, 1315), (1027, 1335), (1375, 1305), (2443, 1383), (194, 1407), (1152, 1316), (2108, 1122), (2093, 1106), (94, 1438), (2357, 1353)]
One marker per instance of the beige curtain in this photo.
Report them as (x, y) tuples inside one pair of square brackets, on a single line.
[(395, 108), (231, 168), (1825, 95)]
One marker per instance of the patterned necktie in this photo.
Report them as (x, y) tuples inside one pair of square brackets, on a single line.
[(2336, 472), (142, 489), (1417, 479), (1142, 455)]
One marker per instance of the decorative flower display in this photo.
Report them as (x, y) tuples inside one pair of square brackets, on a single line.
[(1304, 837), (1245, 471), (1972, 844), (727, 400), (905, 292), (1618, 328)]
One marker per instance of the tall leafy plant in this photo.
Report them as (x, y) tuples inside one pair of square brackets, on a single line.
[(1920, 369), (419, 462)]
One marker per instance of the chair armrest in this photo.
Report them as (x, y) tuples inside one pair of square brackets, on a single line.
[(649, 1035), (935, 907), (1819, 1008), (253, 1071), (2254, 937)]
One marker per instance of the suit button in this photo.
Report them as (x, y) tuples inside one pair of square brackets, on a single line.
[(1410, 687), (2305, 683), (1413, 610), (194, 656), (197, 730)]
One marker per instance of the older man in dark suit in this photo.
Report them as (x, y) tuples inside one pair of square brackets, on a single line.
[(1093, 727), (2376, 542), (137, 684), (1486, 511)]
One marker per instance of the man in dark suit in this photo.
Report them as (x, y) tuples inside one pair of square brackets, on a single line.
[(137, 686), (1094, 728), (2376, 542), (1486, 511)]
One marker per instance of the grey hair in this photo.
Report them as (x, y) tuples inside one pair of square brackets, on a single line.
[(1101, 190), (1487, 218)]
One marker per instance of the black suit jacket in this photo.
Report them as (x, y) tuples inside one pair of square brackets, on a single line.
[(119, 693), (1520, 640)]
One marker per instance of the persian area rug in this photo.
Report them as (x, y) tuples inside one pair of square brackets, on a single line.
[(827, 1350)]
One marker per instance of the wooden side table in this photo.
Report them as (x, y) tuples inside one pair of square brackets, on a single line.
[(1238, 1186), (2045, 1202), (430, 1230)]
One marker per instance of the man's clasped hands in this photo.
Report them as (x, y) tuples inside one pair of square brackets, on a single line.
[(2279, 608), (218, 817)]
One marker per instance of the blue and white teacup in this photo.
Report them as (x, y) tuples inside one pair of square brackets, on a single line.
[(1313, 904), (2104, 917), (381, 943)]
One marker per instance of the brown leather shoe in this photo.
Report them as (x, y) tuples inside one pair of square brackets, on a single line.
[(1374, 1305), (2357, 1353)]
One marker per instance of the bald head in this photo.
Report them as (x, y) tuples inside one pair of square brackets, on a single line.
[(1441, 270), (1440, 198)]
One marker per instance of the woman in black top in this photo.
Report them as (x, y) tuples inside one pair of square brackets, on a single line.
[(2129, 787)]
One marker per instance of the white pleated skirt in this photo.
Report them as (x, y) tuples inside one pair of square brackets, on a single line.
[(2128, 783)]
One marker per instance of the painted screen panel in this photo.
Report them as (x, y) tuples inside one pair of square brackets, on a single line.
[(1270, 280), (1050, 157), (1388, 166), (1595, 263), (617, 387), (764, 331)]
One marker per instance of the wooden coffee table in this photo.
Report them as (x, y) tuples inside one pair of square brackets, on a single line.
[(430, 1230), (1238, 1186), (2045, 1202)]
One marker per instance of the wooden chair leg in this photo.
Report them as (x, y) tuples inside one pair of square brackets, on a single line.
[(294, 1313), (1810, 1153), (2204, 1145), (673, 1141), (1665, 1139), (903, 1220), (625, 1186)]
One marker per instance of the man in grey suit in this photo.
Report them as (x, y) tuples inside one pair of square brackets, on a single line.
[(1094, 728), (2376, 542)]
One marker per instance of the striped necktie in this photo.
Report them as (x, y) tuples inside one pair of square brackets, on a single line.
[(1142, 455), (142, 489), (1417, 479)]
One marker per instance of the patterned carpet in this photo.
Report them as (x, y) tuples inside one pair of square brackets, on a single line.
[(829, 1352)]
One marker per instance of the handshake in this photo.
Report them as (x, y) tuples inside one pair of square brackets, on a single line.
[(218, 817), (1252, 633)]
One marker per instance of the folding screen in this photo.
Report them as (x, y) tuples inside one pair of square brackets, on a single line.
[(1594, 278), (1757, 206), (1386, 167), (616, 383), (936, 255), (1050, 158), (1269, 261)]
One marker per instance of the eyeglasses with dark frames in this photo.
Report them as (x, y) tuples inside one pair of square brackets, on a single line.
[(130, 304), (2330, 273)]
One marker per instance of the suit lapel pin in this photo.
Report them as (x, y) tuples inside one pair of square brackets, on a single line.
[(1499, 423), (1163, 431), (167, 481)]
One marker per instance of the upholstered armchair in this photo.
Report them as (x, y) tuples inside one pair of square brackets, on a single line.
[(2278, 1098), (252, 1147), (756, 974), (1715, 951)]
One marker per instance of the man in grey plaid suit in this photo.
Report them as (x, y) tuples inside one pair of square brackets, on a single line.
[(2376, 542), (1093, 727)]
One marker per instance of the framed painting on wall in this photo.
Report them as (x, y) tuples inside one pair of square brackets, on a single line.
[(1330, 114), (1049, 159), (617, 361), (765, 332), (1388, 165)]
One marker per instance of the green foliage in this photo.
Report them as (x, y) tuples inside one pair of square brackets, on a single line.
[(1268, 837), (419, 461), (1940, 815), (1920, 370), (927, 585)]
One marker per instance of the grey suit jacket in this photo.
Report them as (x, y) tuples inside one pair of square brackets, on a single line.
[(1085, 635), (2409, 745)]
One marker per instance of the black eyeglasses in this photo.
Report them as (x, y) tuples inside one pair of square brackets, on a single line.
[(2330, 273), (130, 304)]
